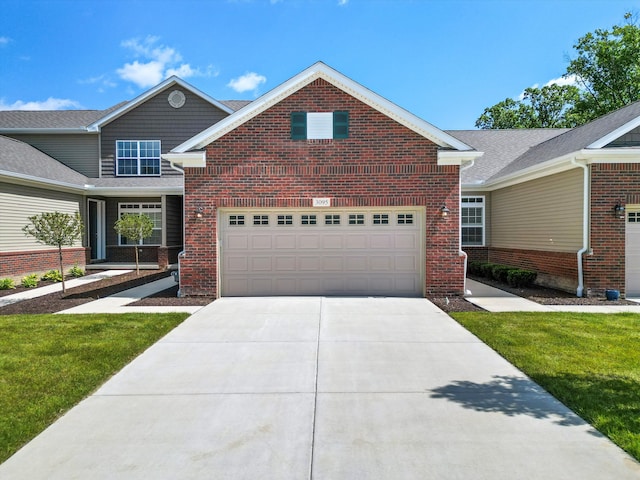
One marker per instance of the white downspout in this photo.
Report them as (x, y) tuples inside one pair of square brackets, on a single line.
[(585, 225), (461, 252)]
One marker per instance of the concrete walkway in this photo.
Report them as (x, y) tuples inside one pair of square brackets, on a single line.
[(496, 300), (321, 388)]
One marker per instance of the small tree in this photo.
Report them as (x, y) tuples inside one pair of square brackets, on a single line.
[(55, 229), (135, 227)]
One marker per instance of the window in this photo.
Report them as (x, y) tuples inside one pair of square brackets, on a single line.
[(472, 212), (236, 219), (380, 219), (405, 219), (261, 219), (332, 219), (138, 157), (356, 219), (285, 219), (153, 211), (308, 220), (633, 217), (319, 125)]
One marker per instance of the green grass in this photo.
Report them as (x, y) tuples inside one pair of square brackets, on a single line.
[(590, 362), (48, 363)]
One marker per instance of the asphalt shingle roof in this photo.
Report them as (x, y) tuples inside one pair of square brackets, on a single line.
[(27, 119), (500, 147), (21, 158)]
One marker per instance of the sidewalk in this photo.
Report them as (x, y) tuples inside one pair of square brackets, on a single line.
[(495, 300)]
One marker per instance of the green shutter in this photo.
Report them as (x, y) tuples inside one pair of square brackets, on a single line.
[(340, 124), (298, 126)]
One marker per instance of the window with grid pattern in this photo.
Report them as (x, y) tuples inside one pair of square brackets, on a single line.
[(356, 219), (381, 219), (308, 220), (332, 219), (153, 211), (472, 219), (138, 157), (236, 220)]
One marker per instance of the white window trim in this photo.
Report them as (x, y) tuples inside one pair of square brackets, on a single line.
[(117, 159), (483, 225), (139, 209)]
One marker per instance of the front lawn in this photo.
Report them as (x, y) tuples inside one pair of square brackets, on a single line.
[(48, 363), (590, 362)]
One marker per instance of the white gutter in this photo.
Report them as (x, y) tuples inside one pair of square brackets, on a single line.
[(585, 225), (461, 252), (39, 181), (182, 252)]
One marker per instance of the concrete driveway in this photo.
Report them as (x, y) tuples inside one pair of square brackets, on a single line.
[(322, 388)]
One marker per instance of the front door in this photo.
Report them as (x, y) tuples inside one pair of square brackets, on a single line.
[(96, 228)]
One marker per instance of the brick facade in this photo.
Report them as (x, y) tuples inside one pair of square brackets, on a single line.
[(382, 163), (611, 183), (18, 264)]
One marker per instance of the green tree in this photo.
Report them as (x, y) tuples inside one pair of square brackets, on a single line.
[(606, 71), (55, 229), (607, 68), (551, 106), (135, 227)]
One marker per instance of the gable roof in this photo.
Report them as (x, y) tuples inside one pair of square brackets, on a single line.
[(16, 121), (501, 148), (169, 82), (321, 70), (19, 160)]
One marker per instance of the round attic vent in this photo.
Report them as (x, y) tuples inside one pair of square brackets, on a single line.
[(176, 99)]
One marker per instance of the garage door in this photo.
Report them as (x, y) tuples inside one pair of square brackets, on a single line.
[(327, 252), (633, 254)]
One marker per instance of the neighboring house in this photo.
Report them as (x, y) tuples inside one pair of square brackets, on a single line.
[(102, 164), (565, 203), (322, 187)]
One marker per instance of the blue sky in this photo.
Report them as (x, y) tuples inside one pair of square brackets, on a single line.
[(444, 61)]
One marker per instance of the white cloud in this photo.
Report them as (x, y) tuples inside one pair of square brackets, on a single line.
[(156, 62), (4, 41), (342, 3), (247, 82), (48, 104), (562, 81)]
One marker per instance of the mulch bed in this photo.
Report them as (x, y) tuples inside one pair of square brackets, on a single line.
[(56, 302)]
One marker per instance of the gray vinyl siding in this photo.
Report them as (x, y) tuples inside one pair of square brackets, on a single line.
[(18, 203), (174, 220), (487, 212), (629, 139), (543, 214), (79, 152), (155, 119)]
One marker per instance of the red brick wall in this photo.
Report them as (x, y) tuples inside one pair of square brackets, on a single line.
[(18, 264), (610, 184), (382, 163)]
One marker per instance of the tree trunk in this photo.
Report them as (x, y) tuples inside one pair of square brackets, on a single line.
[(64, 287), (137, 263)]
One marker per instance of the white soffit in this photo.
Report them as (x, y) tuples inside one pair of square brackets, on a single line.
[(321, 70)]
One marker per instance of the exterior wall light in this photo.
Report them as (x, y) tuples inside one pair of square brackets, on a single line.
[(619, 210), (199, 212), (444, 211)]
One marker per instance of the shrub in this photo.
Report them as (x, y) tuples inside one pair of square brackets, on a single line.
[(7, 284), (521, 278), (53, 275), (76, 271), (500, 273), (30, 281), (474, 267), (486, 269)]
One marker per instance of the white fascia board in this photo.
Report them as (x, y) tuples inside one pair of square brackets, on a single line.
[(133, 191), (187, 159), (617, 133), (610, 155), (455, 157), (9, 131), (41, 182), (321, 70), (150, 93)]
